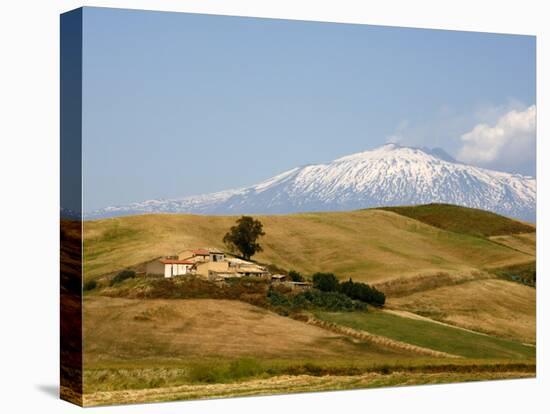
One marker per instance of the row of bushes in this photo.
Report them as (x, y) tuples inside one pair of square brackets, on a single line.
[(332, 301), (257, 292), (328, 282), (363, 292), (328, 293)]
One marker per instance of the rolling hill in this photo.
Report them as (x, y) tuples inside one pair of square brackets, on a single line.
[(165, 330), (472, 221), (369, 245), (166, 349), (493, 306), (436, 272)]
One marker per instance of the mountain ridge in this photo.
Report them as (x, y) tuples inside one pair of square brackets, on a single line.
[(389, 175)]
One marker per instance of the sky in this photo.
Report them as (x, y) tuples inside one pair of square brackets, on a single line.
[(179, 104)]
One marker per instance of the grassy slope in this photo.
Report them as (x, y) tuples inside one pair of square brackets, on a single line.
[(524, 242), (159, 342), (525, 273), (463, 220), (430, 335), (369, 245), (161, 331), (493, 306), (162, 350)]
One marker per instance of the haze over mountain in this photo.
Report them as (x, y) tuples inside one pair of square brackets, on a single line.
[(386, 176)]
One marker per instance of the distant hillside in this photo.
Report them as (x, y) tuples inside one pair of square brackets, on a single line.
[(464, 220), (368, 245)]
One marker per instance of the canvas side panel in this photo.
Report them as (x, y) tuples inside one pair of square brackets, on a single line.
[(71, 207)]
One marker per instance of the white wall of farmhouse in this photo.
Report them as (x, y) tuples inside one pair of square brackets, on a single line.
[(176, 269)]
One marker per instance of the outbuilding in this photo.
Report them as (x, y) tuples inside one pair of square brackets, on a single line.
[(202, 255), (278, 278), (169, 267)]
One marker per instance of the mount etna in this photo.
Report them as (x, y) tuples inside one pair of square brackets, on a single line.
[(386, 176)]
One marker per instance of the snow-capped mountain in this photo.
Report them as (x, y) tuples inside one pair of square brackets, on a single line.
[(386, 176)]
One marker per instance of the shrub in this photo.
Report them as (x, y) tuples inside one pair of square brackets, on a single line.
[(326, 282), (207, 372), (295, 276), (524, 273), (363, 292), (332, 301), (213, 372), (277, 298), (90, 285), (244, 368), (122, 276)]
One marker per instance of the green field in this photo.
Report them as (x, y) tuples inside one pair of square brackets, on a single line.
[(430, 335)]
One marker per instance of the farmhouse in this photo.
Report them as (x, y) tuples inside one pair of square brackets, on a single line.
[(202, 255), (252, 270), (208, 263), (169, 267), (205, 268), (246, 268), (229, 268)]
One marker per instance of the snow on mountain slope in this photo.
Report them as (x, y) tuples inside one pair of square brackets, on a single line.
[(386, 176)]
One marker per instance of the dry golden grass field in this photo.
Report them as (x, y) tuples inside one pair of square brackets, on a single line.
[(170, 349), (493, 306), (288, 384), (524, 242), (460, 306), (368, 245), (118, 329)]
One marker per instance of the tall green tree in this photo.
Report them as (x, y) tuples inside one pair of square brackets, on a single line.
[(326, 282), (243, 236)]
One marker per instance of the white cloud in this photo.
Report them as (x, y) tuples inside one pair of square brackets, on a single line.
[(508, 143)]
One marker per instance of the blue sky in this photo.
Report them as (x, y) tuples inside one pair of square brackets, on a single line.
[(178, 104)]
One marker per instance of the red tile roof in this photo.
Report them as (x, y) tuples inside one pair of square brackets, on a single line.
[(175, 261), (200, 252)]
